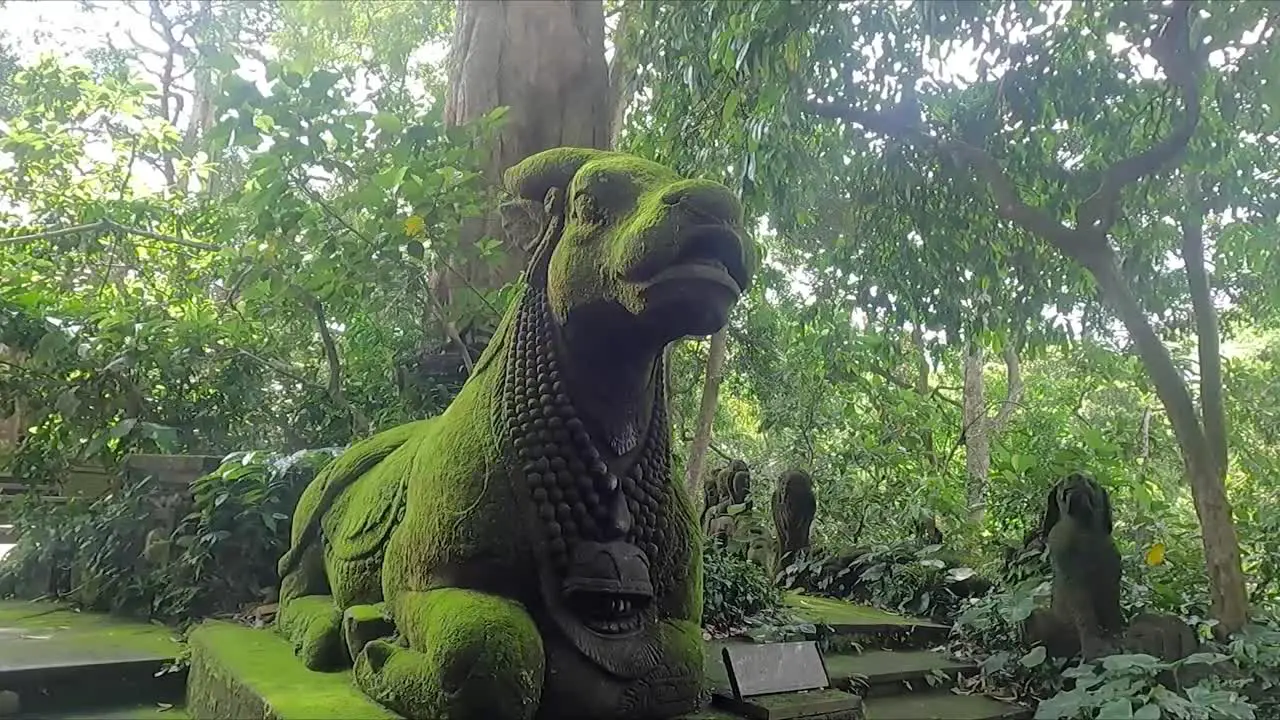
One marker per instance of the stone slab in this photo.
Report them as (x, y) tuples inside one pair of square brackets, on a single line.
[(120, 712), (942, 705), (46, 647), (885, 671), (243, 673), (825, 704), (770, 668)]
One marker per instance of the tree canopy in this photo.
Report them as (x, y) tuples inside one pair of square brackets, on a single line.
[(1050, 226)]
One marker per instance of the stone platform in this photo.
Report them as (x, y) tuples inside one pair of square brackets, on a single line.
[(238, 673), (61, 661), (242, 673)]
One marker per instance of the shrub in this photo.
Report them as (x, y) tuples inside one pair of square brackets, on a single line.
[(144, 552), (734, 590)]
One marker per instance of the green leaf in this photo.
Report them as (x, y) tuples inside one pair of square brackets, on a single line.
[(729, 113), (123, 428), (1033, 658), (388, 122), (1124, 662), (1119, 709), (1150, 711), (391, 177)]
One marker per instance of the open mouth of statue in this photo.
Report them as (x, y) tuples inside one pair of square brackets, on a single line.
[(609, 613), (608, 586), (708, 253)]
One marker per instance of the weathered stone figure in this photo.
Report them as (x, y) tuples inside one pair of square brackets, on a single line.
[(728, 486), (529, 545), (794, 507), (1084, 614)]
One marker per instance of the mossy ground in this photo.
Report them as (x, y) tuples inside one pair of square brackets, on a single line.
[(242, 673), (839, 613), (34, 634)]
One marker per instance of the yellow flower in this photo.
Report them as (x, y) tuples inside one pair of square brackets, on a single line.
[(414, 226), (1155, 555)]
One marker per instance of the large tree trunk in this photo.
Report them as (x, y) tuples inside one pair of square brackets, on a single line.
[(977, 441), (706, 417), (544, 61), (1205, 467), (980, 428)]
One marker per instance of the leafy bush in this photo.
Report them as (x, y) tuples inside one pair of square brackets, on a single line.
[(1135, 686), (734, 590), (230, 543), (902, 577), (215, 552)]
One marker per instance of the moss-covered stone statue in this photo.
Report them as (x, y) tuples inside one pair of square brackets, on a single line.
[(1084, 614), (794, 507), (527, 554)]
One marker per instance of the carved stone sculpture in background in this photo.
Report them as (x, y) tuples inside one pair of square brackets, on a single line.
[(1084, 614), (727, 487), (529, 546), (927, 531), (794, 507)]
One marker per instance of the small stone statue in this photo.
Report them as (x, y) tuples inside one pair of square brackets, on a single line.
[(794, 507), (527, 553), (1084, 614)]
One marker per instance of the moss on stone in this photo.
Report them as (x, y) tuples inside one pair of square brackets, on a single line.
[(239, 673), (412, 511), (481, 656), (312, 623), (834, 612)]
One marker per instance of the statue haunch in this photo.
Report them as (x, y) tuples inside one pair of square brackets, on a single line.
[(527, 554), (1084, 614)]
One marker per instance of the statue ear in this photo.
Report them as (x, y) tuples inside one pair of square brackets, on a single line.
[(1051, 512), (552, 229), (1106, 508), (541, 178)]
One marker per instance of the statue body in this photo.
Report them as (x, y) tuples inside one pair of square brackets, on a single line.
[(527, 551), (1084, 614)]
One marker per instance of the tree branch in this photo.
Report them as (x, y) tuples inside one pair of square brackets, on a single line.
[(335, 369), (1012, 393), (1009, 203), (1173, 50), (1207, 339), (109, 226), (1087, 242), (883, 372)]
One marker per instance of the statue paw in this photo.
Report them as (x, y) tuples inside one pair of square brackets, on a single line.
[(470, 655), (314, 625)]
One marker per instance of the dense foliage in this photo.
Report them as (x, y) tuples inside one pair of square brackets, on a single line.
[(979, 277)]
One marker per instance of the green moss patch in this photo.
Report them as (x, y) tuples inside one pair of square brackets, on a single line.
[(840, 614), (37, 635), (239, 673)]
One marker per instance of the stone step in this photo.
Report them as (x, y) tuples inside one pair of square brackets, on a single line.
[(150, 711), (242, 673), (892, 672), (942, 705), (46, 648)]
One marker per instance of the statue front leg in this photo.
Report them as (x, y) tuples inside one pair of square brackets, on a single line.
[(470, 656)]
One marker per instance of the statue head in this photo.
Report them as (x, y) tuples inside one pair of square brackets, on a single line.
[(626, 248), (1083, 499)]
